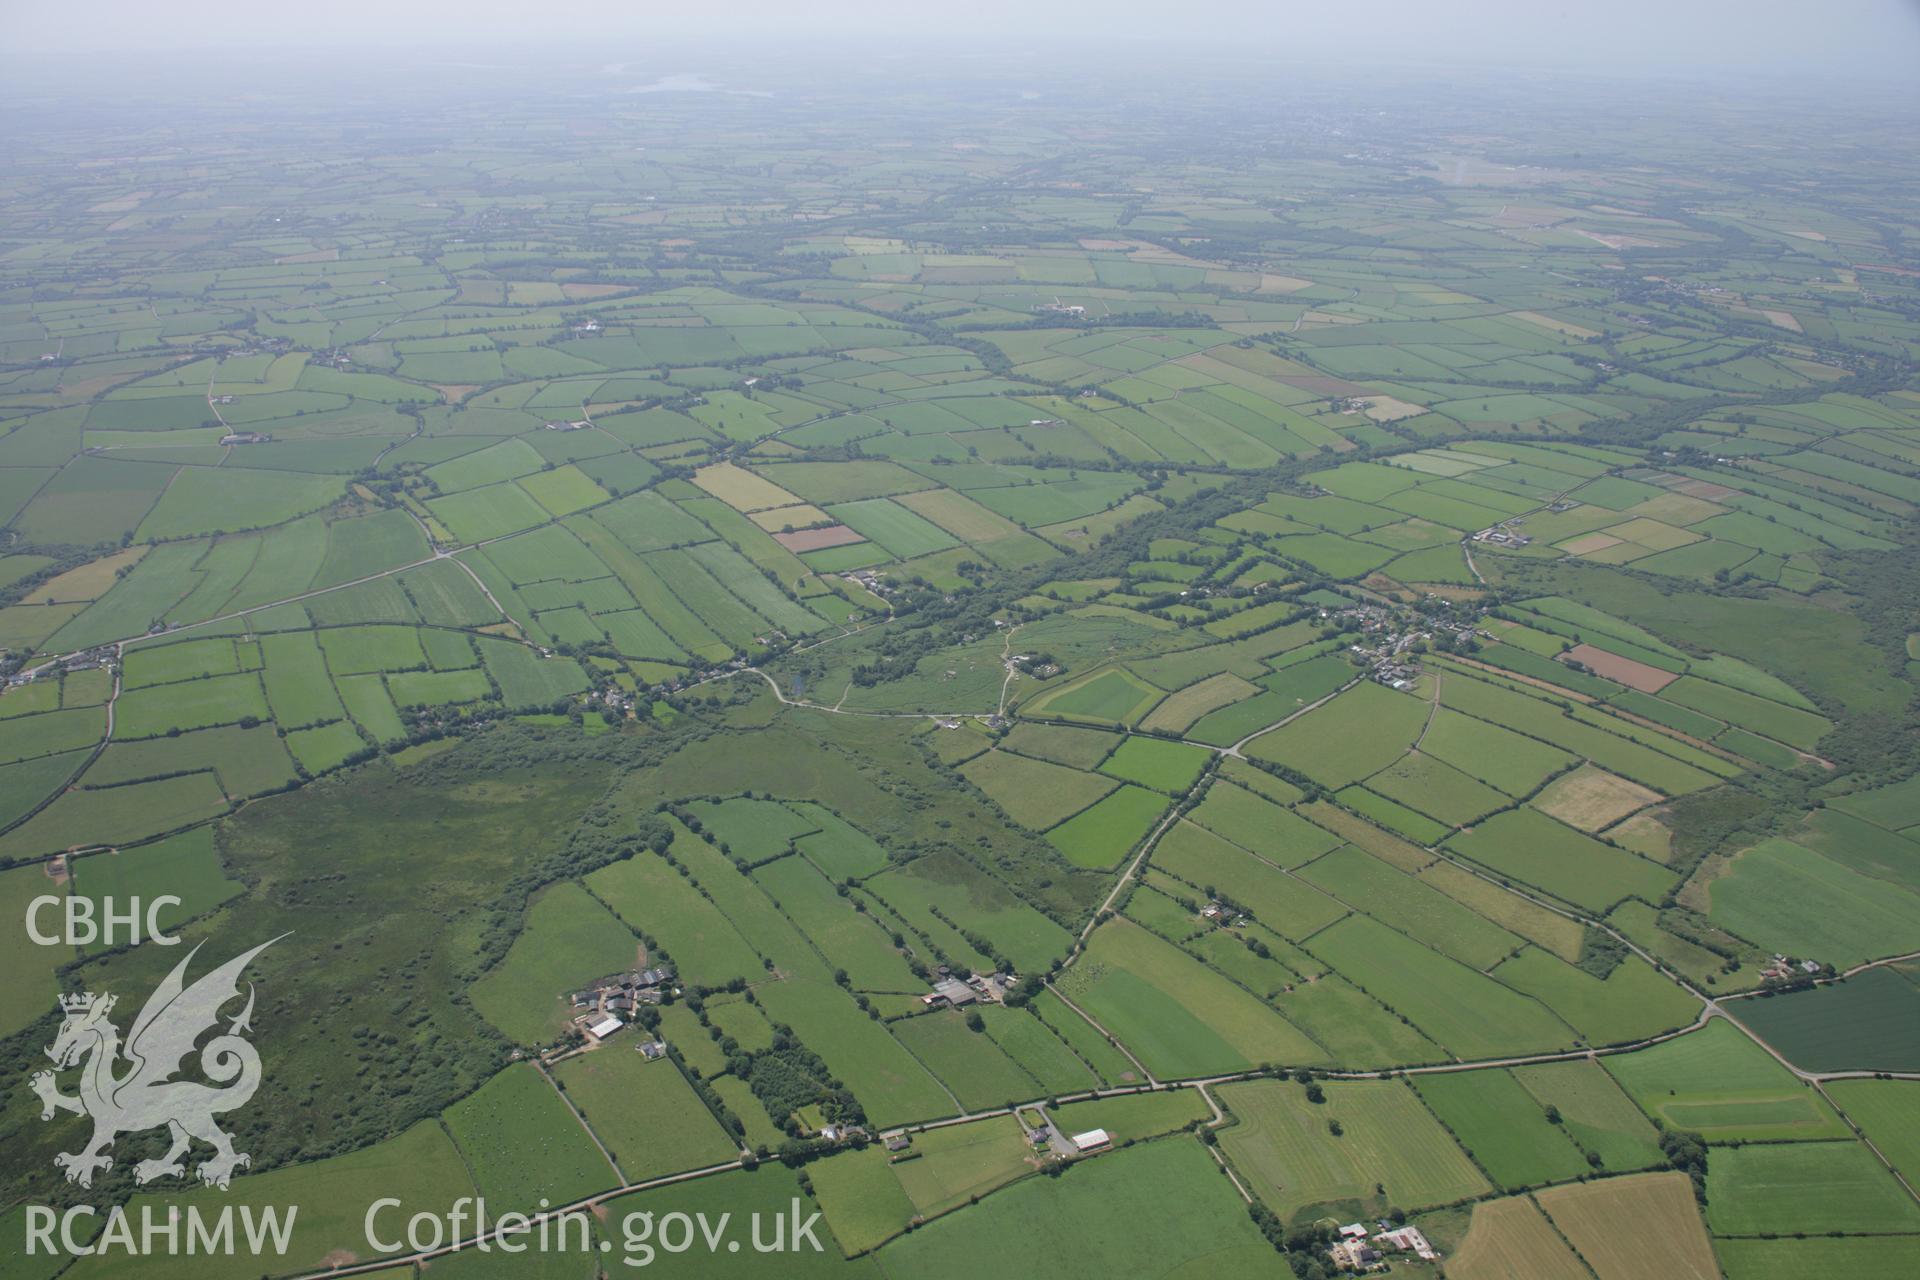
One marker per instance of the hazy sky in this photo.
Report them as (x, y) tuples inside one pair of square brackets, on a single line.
[(1822, 38)]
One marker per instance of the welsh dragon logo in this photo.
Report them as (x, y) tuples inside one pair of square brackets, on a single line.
[(143, 1095)]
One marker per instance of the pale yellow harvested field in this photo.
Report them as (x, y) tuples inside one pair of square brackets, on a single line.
[(1666, 1241), (741, 489), (1558, 326), (802, 516), (1511, 1240), (834, 535), (1387, 409), (1180, 710), (1587, 544)]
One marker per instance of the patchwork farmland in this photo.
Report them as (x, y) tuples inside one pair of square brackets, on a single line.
[(1037, 680)]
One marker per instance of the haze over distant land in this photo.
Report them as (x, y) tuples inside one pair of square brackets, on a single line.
[(1851, 40)]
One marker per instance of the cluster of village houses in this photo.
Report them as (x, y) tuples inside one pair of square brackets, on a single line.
[(1363, 1248), (1386, 649)]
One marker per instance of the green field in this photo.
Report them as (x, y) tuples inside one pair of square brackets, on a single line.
[(151, 712), (522, 1143), (1805, 1186), (1865, 1257), (1288, 905), (1285, 1149), (1871, 1021), (1471, 1015), (1032, 792), (1507, 1132), (1111, 697), (1633, 1002), (1165, 766), (1529, 846), (421, 1166), (1180, 1018), (34, 993), (1781, 896), (1716, 1082), (649, 895), (1359, 733), (1275, 834), (1143, 1211), (1594, 1112), (645, 1113), (864, 1203), (568, 940), (1105, 832), (185, 866)]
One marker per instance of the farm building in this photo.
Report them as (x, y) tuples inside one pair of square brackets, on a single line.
[(1409, 1239), (1091, 1140), (950, 992), (605, 1027)]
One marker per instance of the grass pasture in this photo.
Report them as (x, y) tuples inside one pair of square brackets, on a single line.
[(1171, 767), (1109, 697), (960, 1162), (1781, 896), (1469, 1014), (33, 991), (1718, 1083), (650, 895), (1503, 1127), (421, 1166), (522, 1143), (1595, 1114), (1178, 1017), (568, 939), (194, 704), (1034, 793), (183, 866), (1099, 836), (645, 1112), (1026, 1039), (1261, 827), (1887, 1114), (1805, 1186), (1357, 734), (1283, 1147), (862, 1200), (1147, 1210), (1816, 1258), (1290, 906), (1633, 1002), (1531, 847)]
